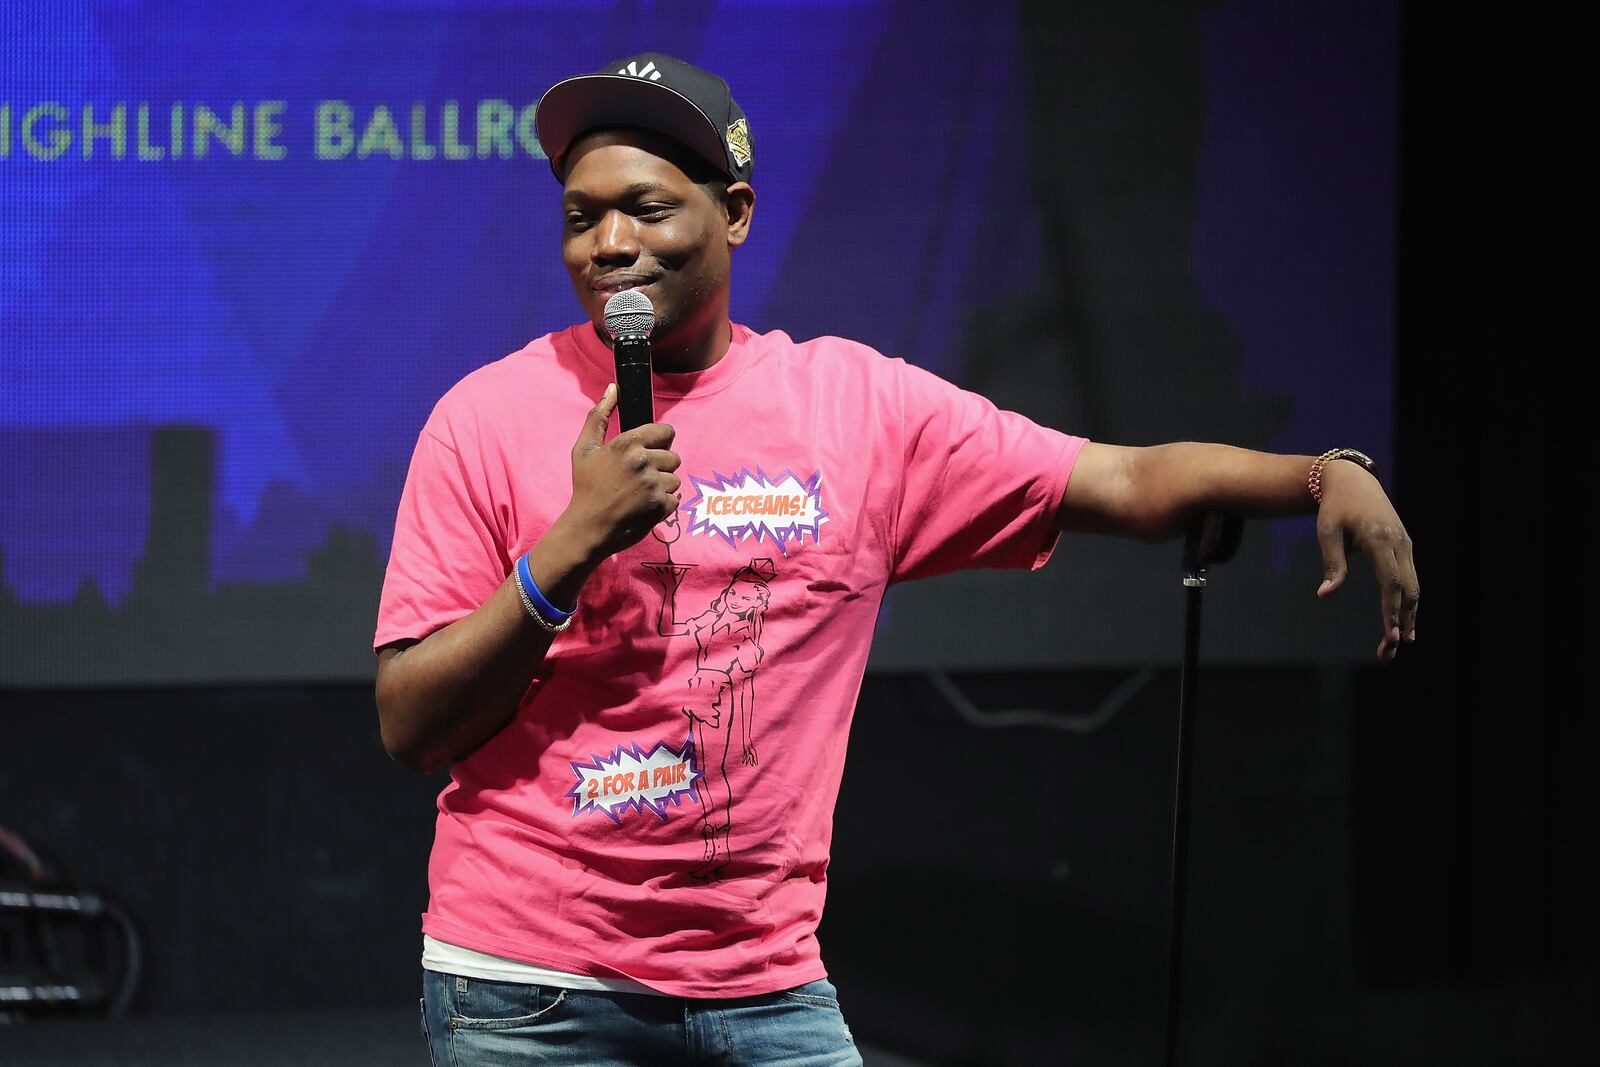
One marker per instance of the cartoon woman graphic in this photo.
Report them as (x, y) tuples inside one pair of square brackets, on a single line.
[(723, 688)]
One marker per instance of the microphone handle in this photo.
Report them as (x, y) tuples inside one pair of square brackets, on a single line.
[(635, 399)]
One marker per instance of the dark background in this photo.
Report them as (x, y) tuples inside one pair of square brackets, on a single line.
[(1390, 865)]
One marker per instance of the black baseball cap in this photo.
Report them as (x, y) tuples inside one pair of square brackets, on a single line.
[(654, 91)]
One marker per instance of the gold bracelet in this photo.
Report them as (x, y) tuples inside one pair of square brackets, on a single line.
[(1314, 481)]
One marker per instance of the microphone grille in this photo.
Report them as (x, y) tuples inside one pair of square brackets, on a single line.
[(629, 312)]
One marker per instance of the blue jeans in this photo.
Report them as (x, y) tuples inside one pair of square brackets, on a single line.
[(473, 1022)]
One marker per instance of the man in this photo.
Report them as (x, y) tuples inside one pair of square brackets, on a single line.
[(613, 881)]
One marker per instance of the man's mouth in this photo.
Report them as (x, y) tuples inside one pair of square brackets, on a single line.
[(616, 283)]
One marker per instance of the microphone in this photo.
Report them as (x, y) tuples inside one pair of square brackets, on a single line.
[(629, 320)]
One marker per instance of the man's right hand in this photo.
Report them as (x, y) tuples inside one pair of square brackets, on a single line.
[(440, 698), (623, 487)]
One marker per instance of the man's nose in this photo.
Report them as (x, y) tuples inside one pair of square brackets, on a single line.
[(616, 238)]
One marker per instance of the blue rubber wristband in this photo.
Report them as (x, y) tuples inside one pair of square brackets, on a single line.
[(540, 601)]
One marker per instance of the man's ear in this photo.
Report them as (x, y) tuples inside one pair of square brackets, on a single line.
[(740, 203)]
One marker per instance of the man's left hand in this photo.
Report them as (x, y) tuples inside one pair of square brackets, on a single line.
[(1355, 513)]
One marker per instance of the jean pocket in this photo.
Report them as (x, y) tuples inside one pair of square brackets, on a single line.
[(819, 994), (480, 1004)]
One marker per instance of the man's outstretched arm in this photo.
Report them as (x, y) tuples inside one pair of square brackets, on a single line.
[(1154, 493)]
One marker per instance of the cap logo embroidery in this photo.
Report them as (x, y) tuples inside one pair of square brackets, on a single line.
[(649, 71), (739, 141)]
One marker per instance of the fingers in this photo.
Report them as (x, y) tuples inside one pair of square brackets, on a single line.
[(624, 488), (1330, 536), (593, 434), (1389, 548), (1362, 518), (1392, 594), (1401, 593), (1411, 597), (662, 459), (650, 435), (664, 487)]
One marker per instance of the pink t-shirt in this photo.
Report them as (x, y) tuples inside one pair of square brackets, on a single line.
[(662, 805)]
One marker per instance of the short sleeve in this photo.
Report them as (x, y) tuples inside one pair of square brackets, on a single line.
[(447, 557), (981, 486)]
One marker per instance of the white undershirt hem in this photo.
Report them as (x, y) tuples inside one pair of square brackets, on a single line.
[(446, 958)]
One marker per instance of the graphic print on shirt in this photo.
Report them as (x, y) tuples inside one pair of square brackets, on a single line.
[(721, 698), (781, 510), (637, 778), (670, 576), (785, 511)]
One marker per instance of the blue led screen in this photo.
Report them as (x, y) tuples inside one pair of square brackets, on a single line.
[(244, 248)]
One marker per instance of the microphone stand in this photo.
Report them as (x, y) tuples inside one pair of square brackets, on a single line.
[(1214, 539)]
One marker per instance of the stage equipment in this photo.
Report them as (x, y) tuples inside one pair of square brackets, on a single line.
[(64, 950), (1213, 540)]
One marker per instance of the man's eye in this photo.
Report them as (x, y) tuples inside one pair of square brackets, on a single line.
[(576, 220), (654, 212)]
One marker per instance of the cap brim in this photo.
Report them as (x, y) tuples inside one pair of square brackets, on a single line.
[(589, 101)]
